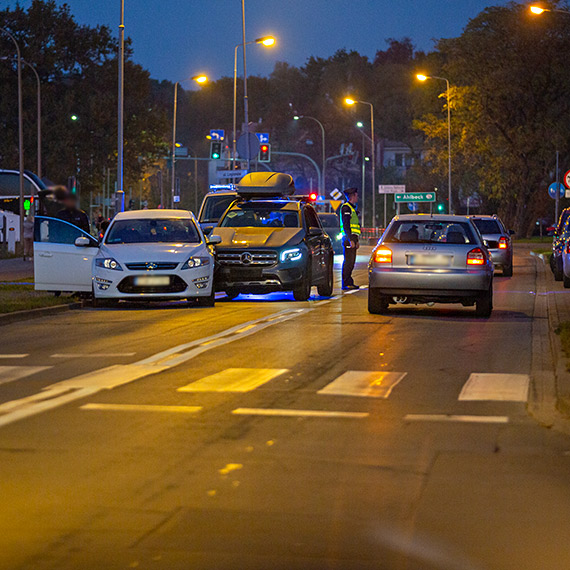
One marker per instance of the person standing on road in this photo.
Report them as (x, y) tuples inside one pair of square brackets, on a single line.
[(350, 226), (72, 214)]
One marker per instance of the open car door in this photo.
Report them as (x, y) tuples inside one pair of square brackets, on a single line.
[(63, 256)]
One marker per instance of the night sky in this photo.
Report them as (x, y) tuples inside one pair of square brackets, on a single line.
[(178, 38)]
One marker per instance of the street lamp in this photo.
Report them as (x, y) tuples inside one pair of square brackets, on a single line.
[(350, 101), (539, 10), (267, 41), (200, 79), (365, 159), (422, 77), (20, 133), (298, 117), (120, 194)]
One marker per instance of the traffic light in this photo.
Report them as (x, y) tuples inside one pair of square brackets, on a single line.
[(215, 150), (441, 207), (313, 196), (72, 184), (265, 153)]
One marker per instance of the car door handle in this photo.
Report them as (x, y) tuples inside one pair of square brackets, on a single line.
[(45, 254)]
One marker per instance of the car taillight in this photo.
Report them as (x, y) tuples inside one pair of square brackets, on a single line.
[(567, 248), (503, 242), (383, 255), (476, 257)]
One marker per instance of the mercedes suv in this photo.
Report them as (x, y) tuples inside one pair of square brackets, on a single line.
[(272, 242)]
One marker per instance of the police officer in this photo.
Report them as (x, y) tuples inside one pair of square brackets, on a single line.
[(350, 226), (72, 214)]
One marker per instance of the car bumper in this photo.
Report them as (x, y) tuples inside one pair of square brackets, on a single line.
[(267, 279), (501, 257), (441, 283), (189, 283)]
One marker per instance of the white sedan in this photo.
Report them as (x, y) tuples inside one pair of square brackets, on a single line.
[(144, 254)]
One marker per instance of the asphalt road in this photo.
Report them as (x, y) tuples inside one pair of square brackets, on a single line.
[(269, 434)]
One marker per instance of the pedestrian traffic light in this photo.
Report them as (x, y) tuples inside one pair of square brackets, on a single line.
[(215, 150), (265, 153), (27, 204), (441, 207), (72, 185)]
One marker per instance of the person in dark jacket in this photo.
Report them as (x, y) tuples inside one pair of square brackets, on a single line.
[(350, 226), (72, 214)]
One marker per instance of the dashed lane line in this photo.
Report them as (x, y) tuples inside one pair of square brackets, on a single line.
[(8, 356), (455, 418), (93, 355), (142, 408), (298, 413)]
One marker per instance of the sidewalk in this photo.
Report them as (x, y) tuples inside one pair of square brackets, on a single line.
[(16, 270)]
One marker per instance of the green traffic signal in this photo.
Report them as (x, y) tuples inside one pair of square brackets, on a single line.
[(441, 207), (27, 205)]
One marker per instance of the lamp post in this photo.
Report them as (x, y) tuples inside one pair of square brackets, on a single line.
[(539, 10), (20, 132), (323, 142), (350, 101), (200, 79), (267, 41), (365, 159), (422, 77), (120, 194)]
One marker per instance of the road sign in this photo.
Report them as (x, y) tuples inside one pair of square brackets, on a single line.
[(336, 194), (217, 134), (263, 137), (391, 188), (413, 206), (567, 179), (335, 204), (415, 197), (242, 144), (552, 190), (231, 173)]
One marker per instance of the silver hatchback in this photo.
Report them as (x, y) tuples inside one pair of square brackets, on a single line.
[(424, 258)]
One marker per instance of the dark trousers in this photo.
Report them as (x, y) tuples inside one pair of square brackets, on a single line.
[(348, 265)]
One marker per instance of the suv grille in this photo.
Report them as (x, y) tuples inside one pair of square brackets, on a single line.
[(248, 258), (151, 266)]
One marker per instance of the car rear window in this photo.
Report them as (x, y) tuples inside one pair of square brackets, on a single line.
[(153, 231), (215, 206), (488, 226), (430, 231)]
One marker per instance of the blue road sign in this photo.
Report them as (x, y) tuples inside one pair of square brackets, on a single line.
[(217, 134), (552, 190), (413, 206), (263, 137)]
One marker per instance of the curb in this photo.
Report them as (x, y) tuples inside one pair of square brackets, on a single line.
[(18, 316), (549, 372)]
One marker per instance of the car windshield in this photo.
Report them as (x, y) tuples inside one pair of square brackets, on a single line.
[(215, 206), (329, 220), (260, 216), (153, 231), (488, 226), (430, 231)]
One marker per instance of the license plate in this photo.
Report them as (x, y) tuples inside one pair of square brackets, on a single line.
[(430, 260), (152, 280)]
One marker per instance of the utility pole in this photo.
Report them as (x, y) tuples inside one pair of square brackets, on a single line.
[(245, 100), (120, 194)]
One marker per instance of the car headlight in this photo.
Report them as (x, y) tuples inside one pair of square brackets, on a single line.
[(108, 263), (291, 254), (196, 262)]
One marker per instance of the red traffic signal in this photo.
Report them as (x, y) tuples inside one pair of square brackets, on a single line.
[(313, 196), (265, 153)]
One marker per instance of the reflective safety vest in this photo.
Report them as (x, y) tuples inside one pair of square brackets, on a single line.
[(354, 222)]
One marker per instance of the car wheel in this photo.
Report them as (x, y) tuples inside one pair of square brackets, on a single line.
[(377, 303), (484, 304), (508, 270), (208, 301), (326, 288), (231, 294), (303, 291), (566, 281), (558, 272)]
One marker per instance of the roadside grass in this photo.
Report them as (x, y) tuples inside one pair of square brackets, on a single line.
[(541, 250), (534, 239), (23, 298)]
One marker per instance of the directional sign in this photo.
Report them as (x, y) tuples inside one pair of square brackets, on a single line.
[(217, 134), (567, 179), (552, 190), (413, 207), (391, 188), (415, 197), (231, 173), (263, 137)]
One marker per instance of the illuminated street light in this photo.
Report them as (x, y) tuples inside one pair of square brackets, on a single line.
[(74, 118), (423, 77), (200, 79), (267, 41), (349, 101), (359, 124), (537, 10)]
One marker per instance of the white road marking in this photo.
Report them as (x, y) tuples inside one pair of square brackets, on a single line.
[(13, 355), (452, 418), (112, 376), (11, 373), (297, 413), (142, 408), (496, 387), (372, 384), (234, 380), (93, 355)]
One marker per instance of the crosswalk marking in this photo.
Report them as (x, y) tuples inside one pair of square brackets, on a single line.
[(297, 413), (142, 408), (11, 373), (371, 384), (496, 387), (234, 380)]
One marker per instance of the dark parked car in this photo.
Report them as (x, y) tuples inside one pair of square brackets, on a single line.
[(331, 225)]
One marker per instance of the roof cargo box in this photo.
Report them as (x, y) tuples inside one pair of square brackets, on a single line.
[(266, 185)]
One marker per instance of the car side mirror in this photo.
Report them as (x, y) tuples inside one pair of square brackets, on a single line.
[(208, 230), (83, 241), (313, 232), (214, 240)]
